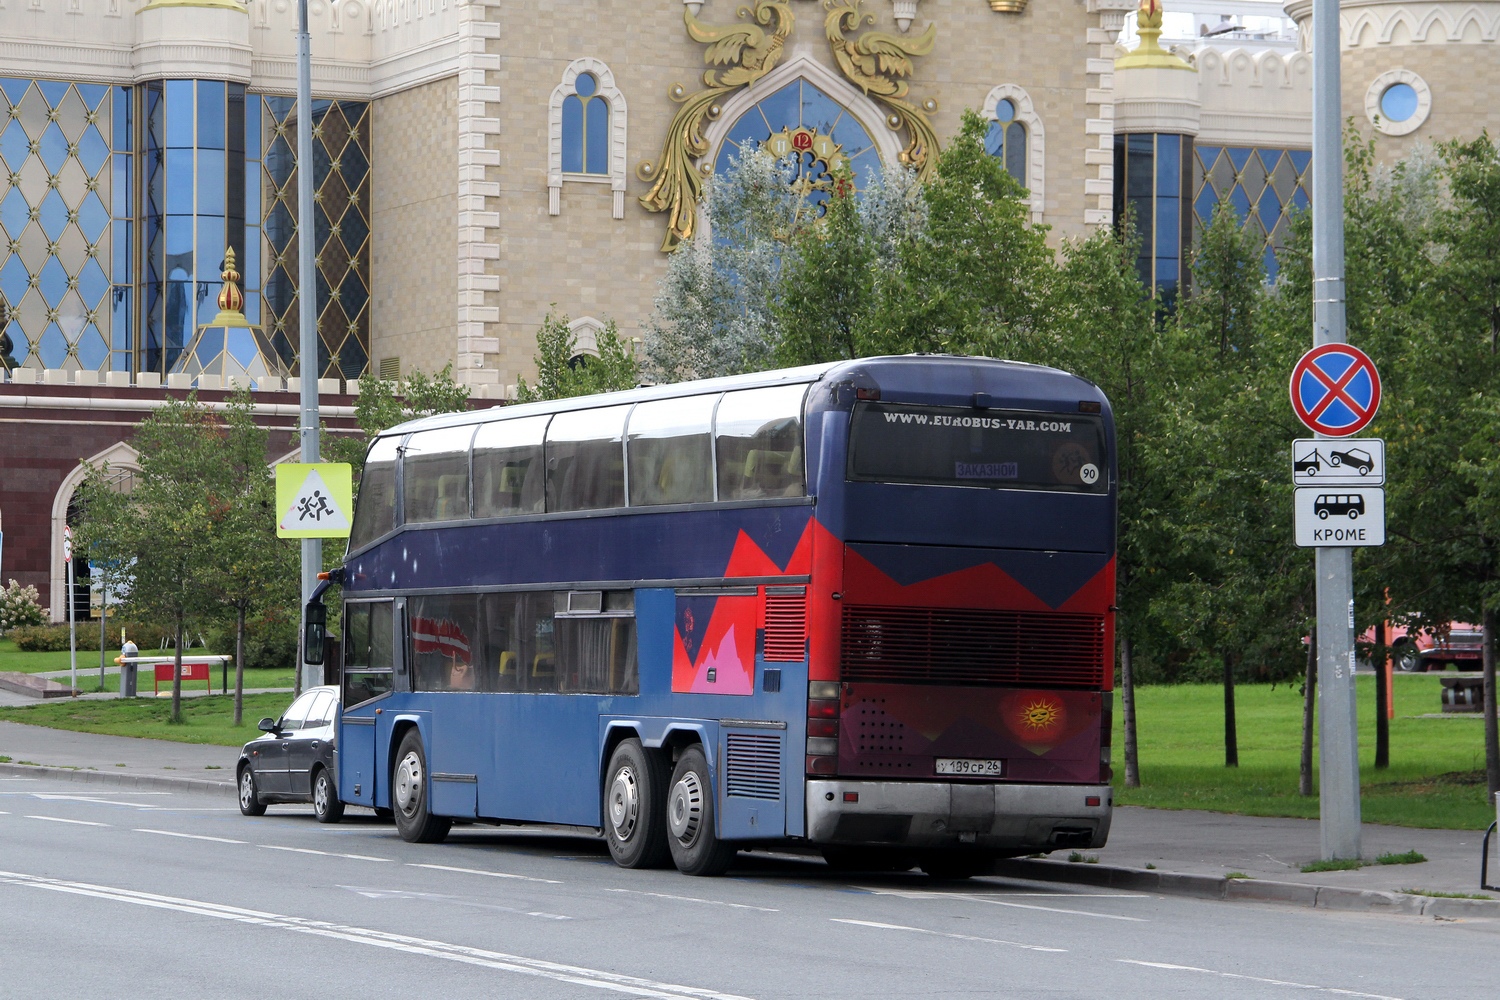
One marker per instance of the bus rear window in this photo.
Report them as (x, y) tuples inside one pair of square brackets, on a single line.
[(962, 446)]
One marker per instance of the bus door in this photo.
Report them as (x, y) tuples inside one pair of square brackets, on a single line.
[(368, 677)]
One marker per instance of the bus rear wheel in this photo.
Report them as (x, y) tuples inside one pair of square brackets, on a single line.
[(635, 807), (409, 795), (696, 848)]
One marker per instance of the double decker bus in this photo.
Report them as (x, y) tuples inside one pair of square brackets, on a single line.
[(862, 607)]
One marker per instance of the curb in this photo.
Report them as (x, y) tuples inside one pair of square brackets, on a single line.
[(1322, 897), (158, 782)]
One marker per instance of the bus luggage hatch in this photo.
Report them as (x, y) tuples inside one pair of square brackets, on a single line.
[(752, 797)]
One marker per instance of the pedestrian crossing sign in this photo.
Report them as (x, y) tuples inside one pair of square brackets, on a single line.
[(314, 500)]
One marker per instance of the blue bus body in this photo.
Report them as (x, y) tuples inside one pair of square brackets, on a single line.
[(766, 589)]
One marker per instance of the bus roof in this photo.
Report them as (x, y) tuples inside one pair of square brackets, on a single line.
[(805, 374)]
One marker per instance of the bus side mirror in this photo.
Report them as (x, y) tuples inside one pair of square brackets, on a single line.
[(315, 632)]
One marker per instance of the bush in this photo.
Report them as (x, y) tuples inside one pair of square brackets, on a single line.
[(54, 638), (269, 645), (19, 607)]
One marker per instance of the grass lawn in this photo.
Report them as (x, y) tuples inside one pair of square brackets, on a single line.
[(1436, 777), (12, 659), (88, 680), (204, 720)]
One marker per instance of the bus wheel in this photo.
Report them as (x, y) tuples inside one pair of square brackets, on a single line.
[(635, 807), (409, 795), (696, 848)]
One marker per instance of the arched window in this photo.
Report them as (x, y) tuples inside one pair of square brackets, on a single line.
[(586, 133), (1016, 138)]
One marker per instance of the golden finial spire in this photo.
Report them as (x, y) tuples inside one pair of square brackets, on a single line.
[(1150, 54), (231, 299)]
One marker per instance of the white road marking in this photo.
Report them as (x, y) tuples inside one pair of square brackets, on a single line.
[(1256, 979), (915, 894), (944, 934), (1066, 895), (481, 871), (325, 854), (75, 822), (694, 899), (457, 901), (86, 798), (575, 974), (191, 836)]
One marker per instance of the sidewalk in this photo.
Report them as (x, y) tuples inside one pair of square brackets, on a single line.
[(1187, 852)]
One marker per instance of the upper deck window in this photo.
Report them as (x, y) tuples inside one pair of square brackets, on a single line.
[(509, 473), (962, 446), (436, 474), (671, 458), (759, 442), (586, 459), (376, 512)]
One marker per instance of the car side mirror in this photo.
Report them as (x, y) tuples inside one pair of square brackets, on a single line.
[(315, 633), (268, 725)]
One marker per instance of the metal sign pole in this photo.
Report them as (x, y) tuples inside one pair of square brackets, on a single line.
[(72, 624), (307, 313), (1338, 757)]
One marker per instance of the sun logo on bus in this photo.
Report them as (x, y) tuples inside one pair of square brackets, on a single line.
[(1040, 715)]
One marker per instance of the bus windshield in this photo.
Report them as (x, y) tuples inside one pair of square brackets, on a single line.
[(963, 446)]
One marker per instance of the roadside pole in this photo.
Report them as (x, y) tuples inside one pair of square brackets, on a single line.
[(72, 625), (1338, 764), (103, 620), (307, 317)]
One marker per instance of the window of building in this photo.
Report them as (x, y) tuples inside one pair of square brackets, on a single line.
[(1153, 186), (586, 133), (1017, 139), (1397, 102), (1266, 187)]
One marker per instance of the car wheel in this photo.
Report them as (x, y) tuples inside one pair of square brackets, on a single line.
[(250, 803), (326, 804), (1409, 659), (635, 807), (696, 847), (409, 795)]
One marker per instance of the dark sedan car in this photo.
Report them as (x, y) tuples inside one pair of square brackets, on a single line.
[(294, 761)]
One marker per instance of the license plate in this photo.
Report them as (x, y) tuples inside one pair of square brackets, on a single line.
[(977, 768)]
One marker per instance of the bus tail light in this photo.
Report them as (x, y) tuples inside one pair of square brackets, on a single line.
[(822, 727)]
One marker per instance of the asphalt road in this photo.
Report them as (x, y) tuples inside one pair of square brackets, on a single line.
[(107, 893)]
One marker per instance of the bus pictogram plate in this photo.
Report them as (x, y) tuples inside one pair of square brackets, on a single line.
[(1340, 516)]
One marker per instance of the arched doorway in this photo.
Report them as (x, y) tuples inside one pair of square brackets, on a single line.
[(123, 462)]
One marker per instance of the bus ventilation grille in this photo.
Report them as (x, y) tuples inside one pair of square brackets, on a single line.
[(786, 628), (973, 647), (752, 766)]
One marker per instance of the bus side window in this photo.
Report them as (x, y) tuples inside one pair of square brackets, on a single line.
[(596, 648), (375, 512), (443, 639), (509, 476), (367, 651), (436, 475), (759, 443), (586, 460), (670, 451)]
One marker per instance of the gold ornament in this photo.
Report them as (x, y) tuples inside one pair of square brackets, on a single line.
[(746, 52), (1149, 54), (878, 63)]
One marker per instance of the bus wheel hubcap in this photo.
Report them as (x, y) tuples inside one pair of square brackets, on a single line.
[(409, 784), (624, 803), (685, 812)]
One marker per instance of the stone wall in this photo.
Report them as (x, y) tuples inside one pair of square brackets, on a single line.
[(414, 209), (1463, 79)]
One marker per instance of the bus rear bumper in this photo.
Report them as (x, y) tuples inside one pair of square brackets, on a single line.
[(1001, 817)]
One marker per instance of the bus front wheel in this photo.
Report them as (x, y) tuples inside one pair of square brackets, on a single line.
[(635, 807), (696, 848), (409, 795)]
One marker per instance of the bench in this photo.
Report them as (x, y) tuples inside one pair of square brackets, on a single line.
[(194, 671)]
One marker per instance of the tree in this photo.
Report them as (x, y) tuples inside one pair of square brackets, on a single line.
[(163, 529), (562, 372), (828, 285), (1102, 328), (383, 404), (715, 310), (254, 572)]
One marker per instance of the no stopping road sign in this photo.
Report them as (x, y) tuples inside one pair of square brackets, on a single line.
[(1335, 390)]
